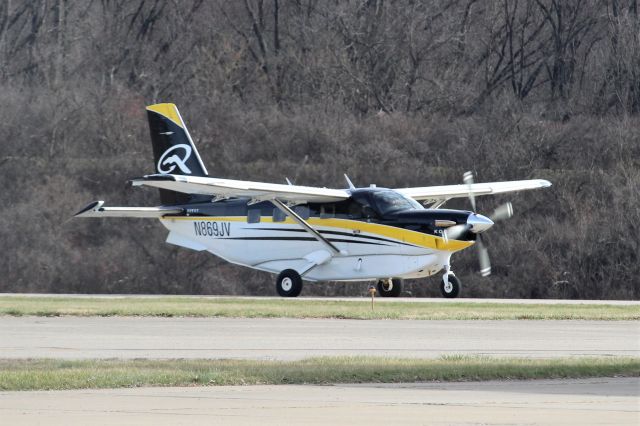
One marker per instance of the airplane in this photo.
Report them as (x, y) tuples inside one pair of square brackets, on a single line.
[(310, 233)]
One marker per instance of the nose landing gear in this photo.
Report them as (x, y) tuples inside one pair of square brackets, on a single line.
[(450, 286)]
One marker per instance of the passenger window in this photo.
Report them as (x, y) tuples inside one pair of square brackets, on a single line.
[(253, 216), (279, 216), (302, 211), (355, 210), (327, 211)]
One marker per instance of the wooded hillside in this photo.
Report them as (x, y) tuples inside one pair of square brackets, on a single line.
[(402, 93)]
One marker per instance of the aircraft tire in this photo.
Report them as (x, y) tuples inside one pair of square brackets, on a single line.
[(453, 289), (289, 283), (394, 291)]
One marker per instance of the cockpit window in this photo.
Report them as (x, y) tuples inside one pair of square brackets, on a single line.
[(389, 202)]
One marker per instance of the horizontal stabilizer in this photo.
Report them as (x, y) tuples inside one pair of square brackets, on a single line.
[(96, 209)]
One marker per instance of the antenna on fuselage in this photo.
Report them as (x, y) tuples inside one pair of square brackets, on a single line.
[(351, 186)]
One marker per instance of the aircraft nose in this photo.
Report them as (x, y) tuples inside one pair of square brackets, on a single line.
[(479, 223)]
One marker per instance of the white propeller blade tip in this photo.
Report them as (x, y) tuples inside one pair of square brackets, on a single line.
[(467, 177)]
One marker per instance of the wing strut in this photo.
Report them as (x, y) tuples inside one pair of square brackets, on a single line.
[(293, 215)]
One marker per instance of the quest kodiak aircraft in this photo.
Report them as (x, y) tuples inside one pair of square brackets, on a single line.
[(310, 233)]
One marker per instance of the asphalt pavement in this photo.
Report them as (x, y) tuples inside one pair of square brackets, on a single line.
[(291, 339), (536, 402)]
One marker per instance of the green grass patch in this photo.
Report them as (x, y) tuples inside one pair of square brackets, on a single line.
[(189, 306), (49, 374)]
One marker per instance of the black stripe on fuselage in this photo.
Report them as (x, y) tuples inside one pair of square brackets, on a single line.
[(333, 240), (345, 234)]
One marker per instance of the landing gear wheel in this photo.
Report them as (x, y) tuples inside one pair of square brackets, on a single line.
[(289, 283), (390, 288), (452, 288)]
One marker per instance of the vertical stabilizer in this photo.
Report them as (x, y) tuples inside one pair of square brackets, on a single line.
[(173, 149)]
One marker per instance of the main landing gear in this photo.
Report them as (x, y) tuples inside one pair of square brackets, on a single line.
[(390, 287), (289, 283)]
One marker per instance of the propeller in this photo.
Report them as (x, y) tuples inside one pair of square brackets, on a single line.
[(502, 212), (483, 257), (455, 232), (467, 178)]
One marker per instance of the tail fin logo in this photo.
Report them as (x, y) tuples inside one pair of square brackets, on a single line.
[(174, 160)]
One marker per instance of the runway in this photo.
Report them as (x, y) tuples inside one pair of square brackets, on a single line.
[(589, 401), (538, 402), (291, 339)]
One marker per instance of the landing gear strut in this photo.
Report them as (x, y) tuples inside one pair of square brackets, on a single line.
[(390, 287), (289, 283)]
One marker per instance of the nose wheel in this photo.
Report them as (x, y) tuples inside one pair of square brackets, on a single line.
[(450, 287)]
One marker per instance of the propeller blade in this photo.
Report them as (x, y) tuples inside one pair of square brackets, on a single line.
[(468, 179), (455, 232), (483, 257), (505, 211)]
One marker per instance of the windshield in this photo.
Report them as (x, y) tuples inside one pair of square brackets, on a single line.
[(391, 201)]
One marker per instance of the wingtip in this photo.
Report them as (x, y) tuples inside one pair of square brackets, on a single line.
[(93, 206), (545, 183)]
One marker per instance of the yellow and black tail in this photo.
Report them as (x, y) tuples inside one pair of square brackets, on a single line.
[(173, 149)]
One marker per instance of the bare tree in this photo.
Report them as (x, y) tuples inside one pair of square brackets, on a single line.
[(396, 93), (570, 24)]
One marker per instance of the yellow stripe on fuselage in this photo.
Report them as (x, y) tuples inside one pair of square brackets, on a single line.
[(169, 111), (404, 235)]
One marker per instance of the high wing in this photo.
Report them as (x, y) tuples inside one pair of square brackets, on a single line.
[(440, 194), (227, 188)]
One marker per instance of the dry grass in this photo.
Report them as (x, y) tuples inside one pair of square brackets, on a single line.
[(45, 374), (282, 308)]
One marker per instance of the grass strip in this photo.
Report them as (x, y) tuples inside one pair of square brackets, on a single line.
[(177, 306), (50, 374)]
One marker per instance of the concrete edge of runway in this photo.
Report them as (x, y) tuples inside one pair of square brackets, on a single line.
[(339, 299)]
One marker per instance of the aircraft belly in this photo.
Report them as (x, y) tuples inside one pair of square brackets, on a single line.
[(353, 268)]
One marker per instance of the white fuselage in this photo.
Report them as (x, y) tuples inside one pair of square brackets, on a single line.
[(368, 250)]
